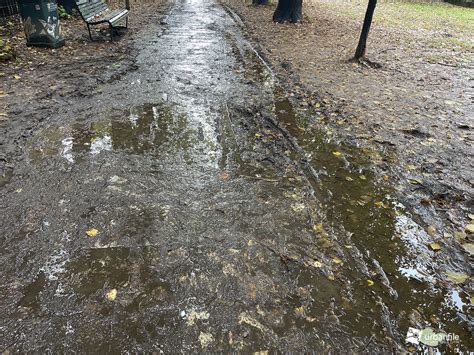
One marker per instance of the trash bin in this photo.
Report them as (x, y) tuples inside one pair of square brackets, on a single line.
[(41, 23)]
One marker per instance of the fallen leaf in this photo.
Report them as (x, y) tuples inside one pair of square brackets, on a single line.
[(362, 177), (193, 316), (299, 312), (459, 235), (17, 77), (244, 317), (112, 294), (435, 246), (469, 247), (470, 228), (457, 277), (337, 261), (317, 264), (298, 207), (431, 231), (92, 232), (205, 339), (471, 216), (337, 154), (224, 176), (370, 283)]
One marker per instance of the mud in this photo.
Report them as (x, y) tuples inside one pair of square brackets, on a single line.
[(225, 220)]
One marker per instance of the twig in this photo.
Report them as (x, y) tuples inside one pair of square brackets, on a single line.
[(447, 64), (230, 120), (366, 344), (259, 178)]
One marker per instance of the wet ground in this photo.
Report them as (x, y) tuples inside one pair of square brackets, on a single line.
[(220, 217)]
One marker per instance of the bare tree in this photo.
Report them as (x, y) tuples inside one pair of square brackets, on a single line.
[(288, 10), (362, 46)]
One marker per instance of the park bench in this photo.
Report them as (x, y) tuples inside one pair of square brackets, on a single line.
[(96, 12)]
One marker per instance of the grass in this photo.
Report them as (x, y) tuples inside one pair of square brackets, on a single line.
[(411, 15)]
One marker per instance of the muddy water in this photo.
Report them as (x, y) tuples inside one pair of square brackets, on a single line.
[(224, 220)]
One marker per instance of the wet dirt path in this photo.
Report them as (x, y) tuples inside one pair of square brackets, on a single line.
[(223, 222)]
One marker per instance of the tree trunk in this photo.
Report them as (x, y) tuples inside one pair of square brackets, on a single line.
[(288, 10), (260, 2), (362, 47)]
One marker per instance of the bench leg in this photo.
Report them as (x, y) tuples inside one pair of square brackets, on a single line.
[(89, 29), (126, 22), (111, 30)]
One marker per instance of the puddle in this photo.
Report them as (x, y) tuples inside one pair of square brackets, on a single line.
[(391, 247), (149, 129), (32, 293)]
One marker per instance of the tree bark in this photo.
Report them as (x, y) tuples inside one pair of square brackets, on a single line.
[(260, 2), (369, 14), (288, 10)]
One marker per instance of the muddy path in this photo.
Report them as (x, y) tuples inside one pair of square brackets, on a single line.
[(223, 221)]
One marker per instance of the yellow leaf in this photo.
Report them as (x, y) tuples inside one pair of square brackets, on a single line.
[(337, 154), (112, 294), (318, 228), (348, 178), (362, 177), (457, 277), (472, 300), (3, 114), (435, 246), (17, 77), (336, 260), (92, 232), (299, 311), (415, 181), (470, 228), (317, 263), (370, 283), (386, 177)]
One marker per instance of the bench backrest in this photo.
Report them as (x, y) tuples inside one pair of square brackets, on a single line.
[(91, 8)]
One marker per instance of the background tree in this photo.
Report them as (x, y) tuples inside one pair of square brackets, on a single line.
[(362, 46), (288, 10), (260, 2)]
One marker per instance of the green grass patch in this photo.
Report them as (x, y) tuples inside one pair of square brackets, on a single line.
[(411, 15)]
